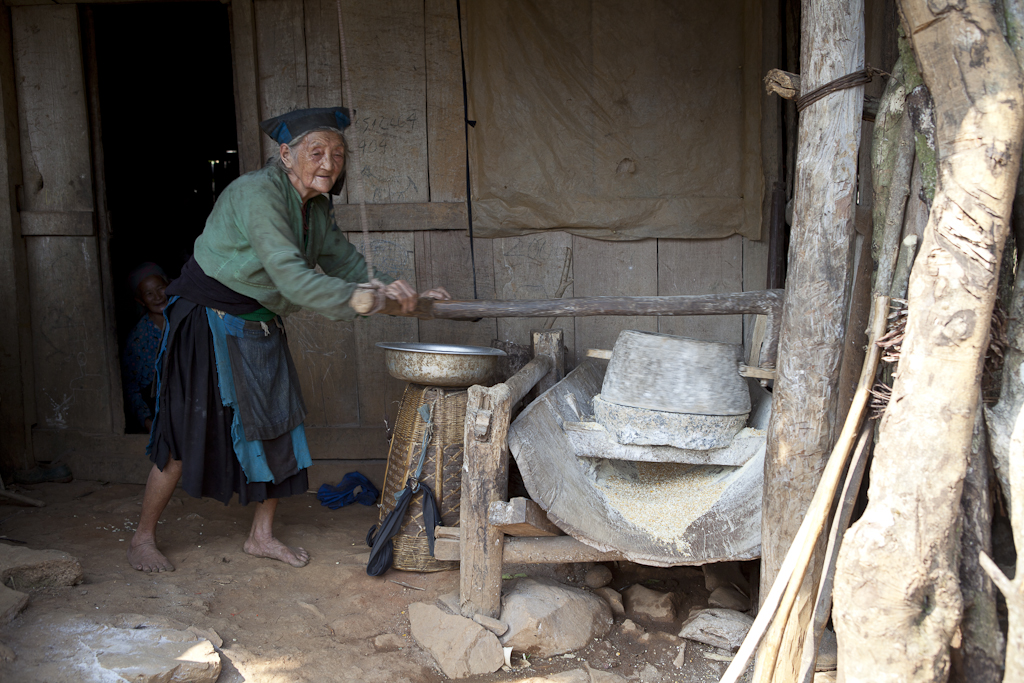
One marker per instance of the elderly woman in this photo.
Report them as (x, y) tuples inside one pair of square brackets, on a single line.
[(148, 284), (229, 410)]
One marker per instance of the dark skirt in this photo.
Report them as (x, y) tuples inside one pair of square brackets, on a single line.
[(192, 425)]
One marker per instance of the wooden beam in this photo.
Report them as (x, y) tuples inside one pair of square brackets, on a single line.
[(521, 517), (534, 550), (805, 397), (549, 344)]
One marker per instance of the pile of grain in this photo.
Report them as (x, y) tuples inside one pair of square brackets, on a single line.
[(662, 499)]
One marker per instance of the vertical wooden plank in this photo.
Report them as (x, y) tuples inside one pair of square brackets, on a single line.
[(52, 109), (379, 392), (323, 60), (485, 482), (755, 278), (103, 223), (701, 267), (323, 53), (385, 45), (533, 267), (442, 258), (325, 361), (16, 377), (72, 390), (281, 50), (612, 269), (247, 93), (446, 133)]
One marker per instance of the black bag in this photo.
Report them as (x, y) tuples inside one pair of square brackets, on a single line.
[(382, 551)]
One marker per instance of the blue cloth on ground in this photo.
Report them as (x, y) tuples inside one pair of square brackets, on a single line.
[(344, 493)]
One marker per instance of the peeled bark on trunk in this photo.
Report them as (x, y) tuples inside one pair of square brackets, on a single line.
[(803, 429), (898, 601)]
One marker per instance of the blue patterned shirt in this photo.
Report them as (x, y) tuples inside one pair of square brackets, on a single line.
[(139, 363)]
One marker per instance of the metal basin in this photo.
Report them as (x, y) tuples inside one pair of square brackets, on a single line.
[(441, 365)]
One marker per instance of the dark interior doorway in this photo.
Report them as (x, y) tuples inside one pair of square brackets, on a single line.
[(167, 115)]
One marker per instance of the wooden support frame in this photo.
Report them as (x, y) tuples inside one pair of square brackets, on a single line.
[(482, 547)]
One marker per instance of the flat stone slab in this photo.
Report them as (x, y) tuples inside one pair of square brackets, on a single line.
[(644, 426), (28, 569), (724, 628), (593, 440), (676, 374), (155, 655)]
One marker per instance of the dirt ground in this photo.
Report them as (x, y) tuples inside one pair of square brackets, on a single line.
[(280, 624)]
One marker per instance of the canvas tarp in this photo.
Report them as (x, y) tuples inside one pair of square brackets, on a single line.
[(615, 119)]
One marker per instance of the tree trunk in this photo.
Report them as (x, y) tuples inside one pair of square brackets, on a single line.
[(897, 600), (802, 428)]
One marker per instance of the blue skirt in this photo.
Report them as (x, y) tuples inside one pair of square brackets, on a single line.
[(193, 425)]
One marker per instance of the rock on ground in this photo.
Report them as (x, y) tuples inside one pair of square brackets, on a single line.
[(680, 661), (598, 576), (6, 654), (155, 655), (387, 642), (546, 618), (577, 676), (728, 597), (498, 628), (718, 627), (460, 646), (613, 598), (11, 602), (26, 569), (644, 603), (650, 674)]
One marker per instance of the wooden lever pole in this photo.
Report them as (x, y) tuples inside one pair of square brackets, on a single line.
[(766, 302)]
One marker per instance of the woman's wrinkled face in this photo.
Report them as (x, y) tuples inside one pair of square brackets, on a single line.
[(151, 294), (316, 163)]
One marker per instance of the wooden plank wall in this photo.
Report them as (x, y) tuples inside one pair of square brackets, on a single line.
[(405, 61), (70, 339)]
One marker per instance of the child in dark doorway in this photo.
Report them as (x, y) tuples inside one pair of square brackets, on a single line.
[(147, 283)]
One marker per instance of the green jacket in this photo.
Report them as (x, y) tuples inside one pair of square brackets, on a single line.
[(253, 243)]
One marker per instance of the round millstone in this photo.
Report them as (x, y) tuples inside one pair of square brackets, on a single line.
[(676, 375), (630, 425)]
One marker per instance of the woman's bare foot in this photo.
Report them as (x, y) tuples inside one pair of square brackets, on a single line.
[(275, 550), (146, 558)]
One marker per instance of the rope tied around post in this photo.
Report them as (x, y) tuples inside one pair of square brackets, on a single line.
[(862, 77)]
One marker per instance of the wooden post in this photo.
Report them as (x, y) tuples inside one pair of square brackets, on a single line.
[(802, 428), (485, 481), (550, 344), (17, 411), (897, 599)]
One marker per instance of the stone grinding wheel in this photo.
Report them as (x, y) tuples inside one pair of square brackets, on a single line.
[(676, 375)]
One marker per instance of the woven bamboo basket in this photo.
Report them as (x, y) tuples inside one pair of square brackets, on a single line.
[(442, 470)]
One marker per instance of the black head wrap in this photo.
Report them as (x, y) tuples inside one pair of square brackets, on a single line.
[(286, 127)]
